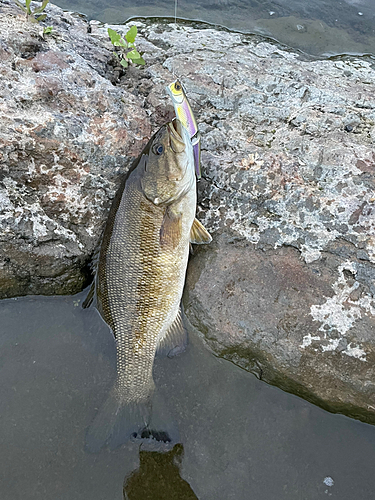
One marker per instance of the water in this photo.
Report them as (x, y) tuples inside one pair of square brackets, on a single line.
[(241, 439), (318, 27)]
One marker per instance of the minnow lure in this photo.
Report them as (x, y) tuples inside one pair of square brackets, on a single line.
[(185, 114)]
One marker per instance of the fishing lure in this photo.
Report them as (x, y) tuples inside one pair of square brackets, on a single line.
[(185, 114)]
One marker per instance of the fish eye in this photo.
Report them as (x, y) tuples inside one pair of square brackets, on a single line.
[(178, 86), (158, 149)]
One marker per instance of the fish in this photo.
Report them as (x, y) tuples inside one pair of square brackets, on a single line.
[(185, 114), (139, 283)]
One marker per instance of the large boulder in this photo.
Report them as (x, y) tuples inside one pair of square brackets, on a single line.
[(286, 290), (65, 134)]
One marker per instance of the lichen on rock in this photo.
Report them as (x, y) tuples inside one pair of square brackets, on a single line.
[(286, 290), (65, 134)]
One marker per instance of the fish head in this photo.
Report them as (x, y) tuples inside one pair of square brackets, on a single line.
[(169, 169)]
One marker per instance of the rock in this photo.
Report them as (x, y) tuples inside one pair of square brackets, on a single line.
[(286, 290), (307, 328), (66, 133)]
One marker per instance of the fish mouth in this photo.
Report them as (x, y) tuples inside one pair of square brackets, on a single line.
[(176, 136)]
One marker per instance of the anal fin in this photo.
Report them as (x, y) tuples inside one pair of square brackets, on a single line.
[(199, 234), (175, 339)]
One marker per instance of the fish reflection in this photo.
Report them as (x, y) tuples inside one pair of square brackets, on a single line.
[(158, 477)]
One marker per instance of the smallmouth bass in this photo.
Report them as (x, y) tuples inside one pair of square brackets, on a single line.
[(140, 279)]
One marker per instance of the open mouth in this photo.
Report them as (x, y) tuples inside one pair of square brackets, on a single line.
[(176, 136), (176, 129)]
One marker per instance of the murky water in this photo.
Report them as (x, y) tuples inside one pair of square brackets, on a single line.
[(318, 27), (241, 439)]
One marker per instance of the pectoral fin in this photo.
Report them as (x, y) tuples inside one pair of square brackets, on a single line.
[(175, 339), (171, 229), (199, 234)]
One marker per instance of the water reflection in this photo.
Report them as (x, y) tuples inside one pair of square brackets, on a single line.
[(158, 477), (241, 438)]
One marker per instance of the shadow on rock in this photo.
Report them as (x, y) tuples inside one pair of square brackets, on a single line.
[(158, 477)]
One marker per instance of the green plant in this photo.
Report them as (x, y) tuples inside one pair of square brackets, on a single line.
[(47, 30), (30, 15), (127, 53)]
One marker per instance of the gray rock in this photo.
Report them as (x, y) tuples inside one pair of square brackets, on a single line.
[(308, 328), (65, 134), (286, 290)]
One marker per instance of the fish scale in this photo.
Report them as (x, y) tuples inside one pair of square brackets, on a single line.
[(140, 280), (142, 283)]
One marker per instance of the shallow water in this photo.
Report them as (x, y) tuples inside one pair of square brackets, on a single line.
[(318, 27), (241, 438)]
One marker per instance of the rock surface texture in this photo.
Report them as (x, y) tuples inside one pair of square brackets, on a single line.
[(287, 288), (64, 133)]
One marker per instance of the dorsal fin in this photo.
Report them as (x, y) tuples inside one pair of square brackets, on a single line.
[(90, 296)]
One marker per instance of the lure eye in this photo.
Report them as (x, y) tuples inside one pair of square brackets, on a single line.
[(158, 149), (178, 86)]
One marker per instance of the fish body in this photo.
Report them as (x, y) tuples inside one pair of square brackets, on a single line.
[(186, 116), (141, 275)]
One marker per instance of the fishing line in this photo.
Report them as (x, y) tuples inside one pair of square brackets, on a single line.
[(175, 25)]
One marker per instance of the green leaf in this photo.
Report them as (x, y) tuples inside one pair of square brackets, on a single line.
[(113, 35), (21, 6), (41, 18), (47, 30), (131, 34), (115, 54), (140, 61), (133, 54), (42, 7), (121, 43), (124, 63), (28, 2)]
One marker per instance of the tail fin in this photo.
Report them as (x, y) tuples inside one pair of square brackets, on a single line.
[(117, 422), (162, 429)]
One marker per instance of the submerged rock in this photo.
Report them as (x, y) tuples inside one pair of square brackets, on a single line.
[(287, 288)]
